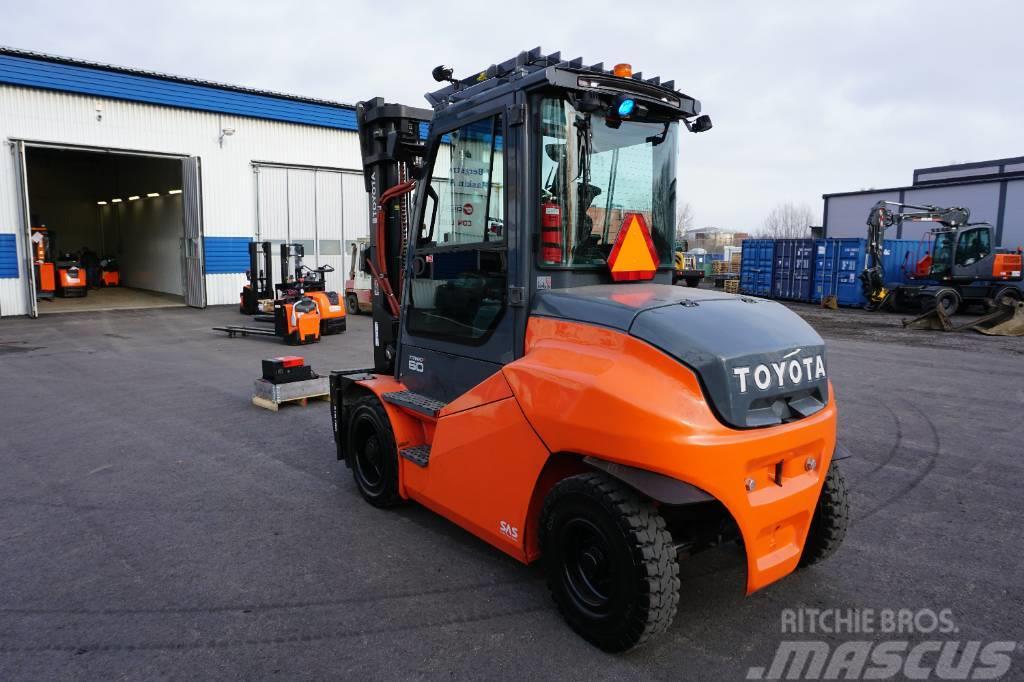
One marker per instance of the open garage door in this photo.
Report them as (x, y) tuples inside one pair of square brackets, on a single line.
[(108, 229), (28, 248), (193, 277)]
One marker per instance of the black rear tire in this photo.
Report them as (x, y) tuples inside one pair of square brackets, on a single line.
[(352, 304), (610, 562), (372, 453), (830, 521)]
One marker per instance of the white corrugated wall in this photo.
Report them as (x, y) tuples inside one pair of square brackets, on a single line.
[(229, 200), (322, 208)]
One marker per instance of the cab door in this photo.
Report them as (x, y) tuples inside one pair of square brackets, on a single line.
[(973, 257), (458, 324)]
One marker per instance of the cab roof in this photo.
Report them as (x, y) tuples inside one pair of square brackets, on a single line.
[(531, 67)]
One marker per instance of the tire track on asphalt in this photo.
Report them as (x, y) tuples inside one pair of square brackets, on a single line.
[(271, 606), (335, 634), (932, 460), (887, 459)]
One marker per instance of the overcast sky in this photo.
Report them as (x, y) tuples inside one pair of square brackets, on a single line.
[(806, 97)]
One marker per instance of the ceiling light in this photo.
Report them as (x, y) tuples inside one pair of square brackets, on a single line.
[(153, 194), (115, 201), (101, 203), (175, 191), (133, 198)]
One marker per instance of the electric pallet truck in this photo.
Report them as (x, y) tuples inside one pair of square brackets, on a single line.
[(313, 285), (543, 385), (295, 318)]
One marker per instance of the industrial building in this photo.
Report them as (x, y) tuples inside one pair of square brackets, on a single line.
[(169, 177), (992, 190)]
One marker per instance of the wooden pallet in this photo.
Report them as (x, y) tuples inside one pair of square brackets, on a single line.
[(271, 396), (274, 407), (721, 267), (732, 286)]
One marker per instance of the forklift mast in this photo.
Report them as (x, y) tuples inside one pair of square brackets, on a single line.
[(392, 152), (260, 274)]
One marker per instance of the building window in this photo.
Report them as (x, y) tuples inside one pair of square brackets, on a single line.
[(330, 247)]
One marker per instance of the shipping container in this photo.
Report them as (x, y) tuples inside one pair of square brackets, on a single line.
[(837, 267), (757, 266), (794, 269)]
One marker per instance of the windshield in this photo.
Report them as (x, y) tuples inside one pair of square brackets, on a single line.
[(593, 174)]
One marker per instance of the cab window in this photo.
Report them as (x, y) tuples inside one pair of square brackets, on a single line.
[(972, 246), (459, 271)]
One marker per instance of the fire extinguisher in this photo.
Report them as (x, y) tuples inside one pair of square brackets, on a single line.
[(551, 232)]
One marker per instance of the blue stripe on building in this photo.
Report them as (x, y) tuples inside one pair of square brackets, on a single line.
[(100, 82), (8, 256), (225, 255)]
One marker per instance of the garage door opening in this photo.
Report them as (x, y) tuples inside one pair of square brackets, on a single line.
[(111, 230)]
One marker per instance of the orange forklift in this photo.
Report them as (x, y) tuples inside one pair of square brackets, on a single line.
[(543, 385), (62, 276)]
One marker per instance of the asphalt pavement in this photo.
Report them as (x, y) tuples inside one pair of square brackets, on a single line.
[(153, 523)]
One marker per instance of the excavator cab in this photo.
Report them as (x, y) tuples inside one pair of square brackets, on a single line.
[(539, 381)]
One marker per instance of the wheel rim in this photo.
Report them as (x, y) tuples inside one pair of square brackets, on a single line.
[(948, 304), (587, 566), (370, 464)]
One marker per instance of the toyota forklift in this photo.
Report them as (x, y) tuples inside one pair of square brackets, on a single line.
[(543, 385)]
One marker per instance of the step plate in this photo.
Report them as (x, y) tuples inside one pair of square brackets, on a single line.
[(418, 455), (415, 401)]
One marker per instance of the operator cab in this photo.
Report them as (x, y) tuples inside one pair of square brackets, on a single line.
[(962, 253), (530, 171)]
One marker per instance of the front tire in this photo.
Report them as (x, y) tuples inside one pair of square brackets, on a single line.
[(947, 300), (372, 453), (830, 521), (352, 304), (610, 562)]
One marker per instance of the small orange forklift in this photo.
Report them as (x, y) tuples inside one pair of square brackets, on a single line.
[(63, 276), (539, 381)]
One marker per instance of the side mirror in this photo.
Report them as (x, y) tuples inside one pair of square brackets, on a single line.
[(700, 124)]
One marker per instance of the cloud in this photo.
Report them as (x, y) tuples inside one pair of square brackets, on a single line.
[(807, 97)]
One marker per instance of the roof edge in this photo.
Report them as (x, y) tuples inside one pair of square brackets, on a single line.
[(57, 59), (967, 180)]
